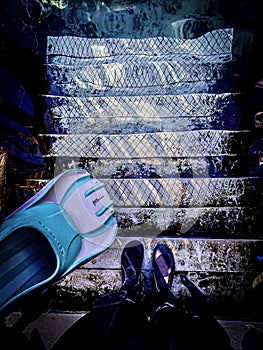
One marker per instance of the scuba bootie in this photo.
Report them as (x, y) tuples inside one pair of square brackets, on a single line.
[(68, 222), (163, 267), (131, 263)]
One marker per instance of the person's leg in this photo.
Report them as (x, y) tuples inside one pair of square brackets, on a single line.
[(171, 322), (167, 318), (213, 334), (115, 318), (130, 321)]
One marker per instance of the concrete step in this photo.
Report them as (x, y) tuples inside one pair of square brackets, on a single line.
[(134, 114), (135, 78), (52, 325), (223, 269), (174, 192), (177, 192), (134, 74), (154, 106), (168, 167), (193, 65), (217, 42), (203, 143), (131, 125), (221, 221), (224, 222)]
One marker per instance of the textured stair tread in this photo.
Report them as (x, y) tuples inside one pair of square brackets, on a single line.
[(67, 61), (133, 79), (133, 114), (154, 106), (137, 74), (130, 125), (80, 89), (163, 144), (221, 221), (217, 42), (225, 166), (176, 192)]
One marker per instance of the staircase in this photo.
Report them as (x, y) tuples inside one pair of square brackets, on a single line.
[(157, 121)]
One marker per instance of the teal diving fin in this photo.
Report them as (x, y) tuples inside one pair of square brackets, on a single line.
[(64, 225)]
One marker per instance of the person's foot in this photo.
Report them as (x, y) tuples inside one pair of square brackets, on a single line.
[(163, 267), (131, 263)]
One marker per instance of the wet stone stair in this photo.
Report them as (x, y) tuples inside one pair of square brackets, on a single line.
[(157, 121)]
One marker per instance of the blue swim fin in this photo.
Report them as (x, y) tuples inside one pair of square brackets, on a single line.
[(68, 222)]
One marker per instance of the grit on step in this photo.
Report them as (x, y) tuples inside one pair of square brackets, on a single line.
[(118, 125)]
